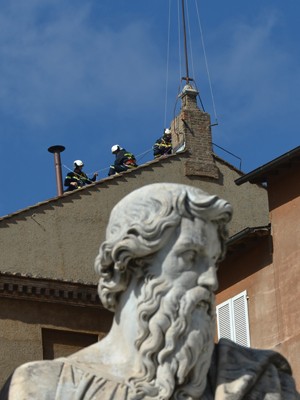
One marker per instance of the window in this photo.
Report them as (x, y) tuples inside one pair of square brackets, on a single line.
[(232, 320), (58, 343)]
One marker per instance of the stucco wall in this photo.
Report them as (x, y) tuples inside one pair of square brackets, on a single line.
[(285, 215), (21, 324), (284, 194), (61, 239), (272, 283), (252, 270), (268, 311)]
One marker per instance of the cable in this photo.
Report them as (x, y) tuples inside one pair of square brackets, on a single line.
[(168, 59), (227, 151), (142, 155), (190, 37), (179, 40), (138, 157), (206, 63), (201, 103), (79, 176)]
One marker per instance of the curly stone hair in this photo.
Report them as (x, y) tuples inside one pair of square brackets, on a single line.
[(140, 225)]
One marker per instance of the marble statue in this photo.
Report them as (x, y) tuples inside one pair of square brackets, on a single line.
[(158, 274)]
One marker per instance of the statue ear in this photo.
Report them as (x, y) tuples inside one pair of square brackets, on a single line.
[(105, 252), (139, 267), (120, 266), (104, 264), (139, 262)]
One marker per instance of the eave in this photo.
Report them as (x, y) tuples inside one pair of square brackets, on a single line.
[(272, 168), (247, 237)]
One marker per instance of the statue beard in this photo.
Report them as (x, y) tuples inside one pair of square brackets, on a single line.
[(175, 341)]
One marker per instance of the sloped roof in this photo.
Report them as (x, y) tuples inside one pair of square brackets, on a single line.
[(109, 180), (105, 181), (274, 167), (246, 237)]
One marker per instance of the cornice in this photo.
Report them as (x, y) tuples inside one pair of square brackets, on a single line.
[(25, 287)]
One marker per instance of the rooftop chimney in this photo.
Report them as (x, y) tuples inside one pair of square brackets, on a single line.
[(192, 129), (56, 150)]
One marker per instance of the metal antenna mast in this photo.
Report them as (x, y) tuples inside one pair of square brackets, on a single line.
[(187, 78)]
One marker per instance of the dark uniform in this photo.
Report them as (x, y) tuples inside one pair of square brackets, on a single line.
[(124, 161), (77, 179), (163, 145)]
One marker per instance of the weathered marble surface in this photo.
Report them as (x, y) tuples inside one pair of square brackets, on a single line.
[(157, 272)]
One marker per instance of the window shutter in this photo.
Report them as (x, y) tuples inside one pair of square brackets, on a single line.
[(241, 322), (232, 320), (224, 320)]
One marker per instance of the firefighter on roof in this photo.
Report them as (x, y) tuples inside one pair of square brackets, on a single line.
[(163, 145), (77, 179), (124, 160)]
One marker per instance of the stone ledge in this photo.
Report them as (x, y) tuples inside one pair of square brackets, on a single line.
[(200, 168), (47, 290)]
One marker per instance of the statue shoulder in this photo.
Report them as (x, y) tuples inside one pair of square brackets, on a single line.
[(238, 370), (62, 379), (32, 379)]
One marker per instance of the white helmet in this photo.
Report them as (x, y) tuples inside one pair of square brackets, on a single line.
[(167, 131), (115, 148), (78, 163)]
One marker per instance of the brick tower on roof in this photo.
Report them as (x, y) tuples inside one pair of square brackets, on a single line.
[(192, 129)]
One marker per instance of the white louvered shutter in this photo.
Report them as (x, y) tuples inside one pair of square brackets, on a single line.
[(224, 320), (232, 320), (241, 322)]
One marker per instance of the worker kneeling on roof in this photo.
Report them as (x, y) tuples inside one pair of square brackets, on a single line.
[(124, 160), (163, 145), (77, 179)]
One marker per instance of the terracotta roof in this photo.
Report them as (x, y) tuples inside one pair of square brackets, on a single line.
[(279, 164)]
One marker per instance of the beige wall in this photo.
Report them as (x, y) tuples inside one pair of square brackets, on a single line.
[(62, 238), (21, 324)]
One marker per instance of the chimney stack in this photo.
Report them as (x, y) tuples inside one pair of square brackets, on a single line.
[(56, 150), (192, 128)]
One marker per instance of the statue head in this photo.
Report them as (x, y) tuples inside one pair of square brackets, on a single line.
[(167, 239), (141, 224)]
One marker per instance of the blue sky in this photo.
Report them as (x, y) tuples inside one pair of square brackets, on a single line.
[(90, 74)]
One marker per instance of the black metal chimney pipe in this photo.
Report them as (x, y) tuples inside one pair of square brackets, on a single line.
[(56, 150)]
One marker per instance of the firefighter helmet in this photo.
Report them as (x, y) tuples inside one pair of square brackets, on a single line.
[(167, 131), (115, 148), (78, 163)]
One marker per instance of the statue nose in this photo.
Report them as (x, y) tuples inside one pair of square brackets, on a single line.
[(209, 278)]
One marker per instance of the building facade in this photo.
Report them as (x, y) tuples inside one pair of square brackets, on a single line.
[(49, 304), (260, 278)]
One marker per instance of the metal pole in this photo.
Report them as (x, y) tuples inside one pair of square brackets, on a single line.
[(56, 150), (185, 45)]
